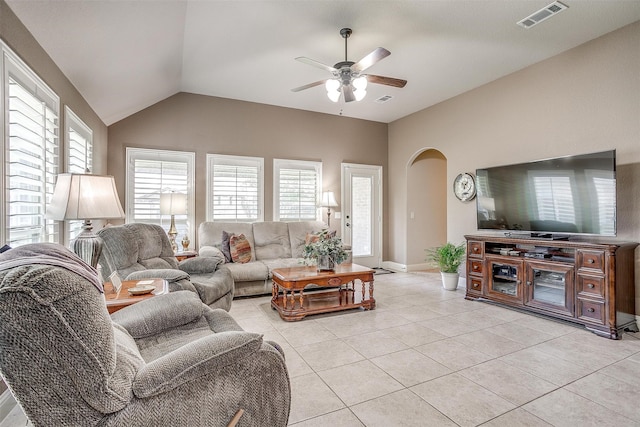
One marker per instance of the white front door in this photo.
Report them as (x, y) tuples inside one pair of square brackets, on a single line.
[(362, 212)]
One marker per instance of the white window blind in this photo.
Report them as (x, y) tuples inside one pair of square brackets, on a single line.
[(234, 188), (554, 197), (605, 200), (297, 189), (79, 157), (153, 172), (31, 162)]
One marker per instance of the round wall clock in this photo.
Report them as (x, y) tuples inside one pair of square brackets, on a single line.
[(464, 187)]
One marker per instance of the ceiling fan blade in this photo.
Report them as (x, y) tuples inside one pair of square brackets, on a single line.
[(389, 81), (307, 86), (366, 62), (315, 63), (347, 91)]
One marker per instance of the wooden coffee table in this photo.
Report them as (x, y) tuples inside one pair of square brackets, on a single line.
[(117, 301), (292, 306)]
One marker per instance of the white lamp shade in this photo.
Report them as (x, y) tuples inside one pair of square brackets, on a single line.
[(328, 200), (173, 204), (360, 82), (332, 85), (84, 196)]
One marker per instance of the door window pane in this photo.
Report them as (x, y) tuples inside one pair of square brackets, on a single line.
[(362, 213)]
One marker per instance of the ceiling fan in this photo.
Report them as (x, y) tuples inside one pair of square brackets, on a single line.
[(348, 79)]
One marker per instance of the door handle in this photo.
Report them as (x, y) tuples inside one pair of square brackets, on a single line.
[(347, 225)]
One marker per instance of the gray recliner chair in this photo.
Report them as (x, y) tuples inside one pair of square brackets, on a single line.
[(166, 361), (142, 251)]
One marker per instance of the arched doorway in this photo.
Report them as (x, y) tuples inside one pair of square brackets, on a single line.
[(426, 205)]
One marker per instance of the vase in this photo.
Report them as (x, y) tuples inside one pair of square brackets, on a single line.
[(450, 281), (325, 263), (185, 243)]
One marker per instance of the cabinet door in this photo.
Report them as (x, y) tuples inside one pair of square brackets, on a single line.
[(504, 279), (550, 287)]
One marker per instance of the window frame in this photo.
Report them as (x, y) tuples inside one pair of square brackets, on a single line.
[(279, 164), (12, 65), (73, 121), (232, 160), (150, 154)]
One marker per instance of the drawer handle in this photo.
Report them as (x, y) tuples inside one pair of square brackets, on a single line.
[(591, 309), (475, 267), (476, 249), (590, 261), (591, 286), (528, 283), (475, 285)]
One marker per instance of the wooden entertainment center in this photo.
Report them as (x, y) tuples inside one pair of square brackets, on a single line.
[(590, 282)]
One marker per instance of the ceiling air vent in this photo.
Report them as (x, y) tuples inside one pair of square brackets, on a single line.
[(544, 13), (383, 99)]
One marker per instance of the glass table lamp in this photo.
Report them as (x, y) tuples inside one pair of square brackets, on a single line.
[(173, 204), (85, 197), (328, 201)]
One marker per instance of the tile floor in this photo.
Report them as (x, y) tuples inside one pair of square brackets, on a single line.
[(428, 357)]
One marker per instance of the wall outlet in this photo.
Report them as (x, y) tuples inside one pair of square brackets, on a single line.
[(337, 215)]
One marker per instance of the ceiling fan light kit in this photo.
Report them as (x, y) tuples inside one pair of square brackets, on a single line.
[(348, 79)]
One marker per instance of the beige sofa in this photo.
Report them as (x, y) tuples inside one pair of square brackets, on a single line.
[(273, 245)]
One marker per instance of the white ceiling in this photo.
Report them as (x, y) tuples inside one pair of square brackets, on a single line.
[(124, 56)]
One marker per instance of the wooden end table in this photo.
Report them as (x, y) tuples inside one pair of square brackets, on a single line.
[(185, 254), (292, 306), (117, 301)]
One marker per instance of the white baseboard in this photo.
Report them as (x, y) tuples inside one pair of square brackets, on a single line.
[(419, 267), (394, 266), (7, 403)]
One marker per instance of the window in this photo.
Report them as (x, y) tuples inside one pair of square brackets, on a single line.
[(296, 187), (605, 187), (234, 188), (79, 153), (554, 196), (153, 172), (30, 153)]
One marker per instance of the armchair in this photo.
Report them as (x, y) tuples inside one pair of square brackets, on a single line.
[(140, 251), (169, 360)]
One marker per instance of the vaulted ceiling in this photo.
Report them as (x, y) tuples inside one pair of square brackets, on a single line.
[(124, 56)]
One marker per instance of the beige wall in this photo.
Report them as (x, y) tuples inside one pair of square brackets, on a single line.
[(204, 124), (584, 100), (20, 40)]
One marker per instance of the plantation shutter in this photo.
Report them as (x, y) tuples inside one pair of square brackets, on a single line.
[(151, 173), (79, 157), (235, 188), (554, 198), (32, 160), (298, 185), (606, 202)]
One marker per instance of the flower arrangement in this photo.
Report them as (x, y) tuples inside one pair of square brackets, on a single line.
[(325, 244)]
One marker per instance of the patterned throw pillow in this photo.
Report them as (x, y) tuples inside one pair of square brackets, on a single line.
[(240, 249)]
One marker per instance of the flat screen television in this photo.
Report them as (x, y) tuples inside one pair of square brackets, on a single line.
[(550, 198)]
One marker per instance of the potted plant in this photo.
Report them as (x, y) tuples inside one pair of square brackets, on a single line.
[(326, 249), (448, 258)]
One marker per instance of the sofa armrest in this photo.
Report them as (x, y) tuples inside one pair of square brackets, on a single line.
[(193, 360), (169, 274), (199, 265), (154, 315)]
